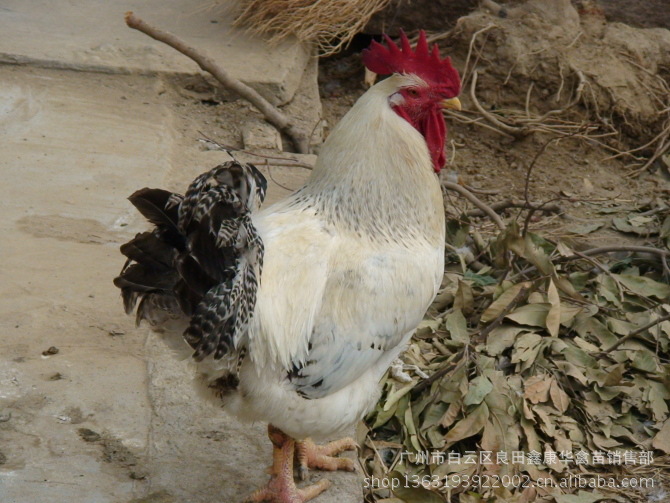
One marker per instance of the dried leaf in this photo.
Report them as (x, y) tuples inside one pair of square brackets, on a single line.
[(427, 328), (433, 415), (457, 326), (571, 370), (450, 416), (534, 315), (585, 228), (501, 432), (479, 387), (581, 497), (662, 439), (532, 438), (657, 397), (546, 416), (527, 347), (464, 299), (470, 497), (665, 231), (645, 287), (642, 226), (470, 425), (543, 391), (614, 376), (417, 494), (499, 305), (559, 397), (501, 338), (479, 279), (645, 360), (396, 395), (383, 416), (537, 389), (585, 345), (577, 356), (553, 319)]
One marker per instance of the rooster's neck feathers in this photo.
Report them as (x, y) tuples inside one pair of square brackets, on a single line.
[(374, 172)]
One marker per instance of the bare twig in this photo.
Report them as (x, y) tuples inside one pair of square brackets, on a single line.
[(273, 178), (472, 44), (660, 135), (661, 149), (272, 114), (663, 254), (526, 195), (666, 267), (636, 332), (458, 357), (511, 203), (477, 190), (614, 249), (516, 132), (276, 161), (528, 93), (481, 336), (476, 121), (477, 202)]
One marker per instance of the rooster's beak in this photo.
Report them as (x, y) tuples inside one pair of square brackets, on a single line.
[(451, 104)]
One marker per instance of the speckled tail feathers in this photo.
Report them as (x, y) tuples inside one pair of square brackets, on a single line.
[(202, 259)]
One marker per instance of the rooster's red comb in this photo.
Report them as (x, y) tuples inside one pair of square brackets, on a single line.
[(420, 61)]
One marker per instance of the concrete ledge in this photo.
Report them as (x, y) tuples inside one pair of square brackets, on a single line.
[(91, 35)]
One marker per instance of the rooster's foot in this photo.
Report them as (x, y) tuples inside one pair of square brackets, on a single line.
[(281, 488), (323, 457)]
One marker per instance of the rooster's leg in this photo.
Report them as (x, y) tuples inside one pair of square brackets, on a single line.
[(281, 488), (323, 457)]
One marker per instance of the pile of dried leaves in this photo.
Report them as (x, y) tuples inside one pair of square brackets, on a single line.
[(542, 375)]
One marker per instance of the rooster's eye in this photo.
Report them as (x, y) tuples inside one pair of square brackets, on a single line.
[(413, 93)]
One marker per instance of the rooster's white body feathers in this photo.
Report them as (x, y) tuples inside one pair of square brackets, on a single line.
[(352, 261), (296, 311)]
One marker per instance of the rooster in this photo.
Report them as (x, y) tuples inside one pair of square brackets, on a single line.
[(294, 313)]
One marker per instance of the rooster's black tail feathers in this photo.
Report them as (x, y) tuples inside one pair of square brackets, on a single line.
[(203, 258)]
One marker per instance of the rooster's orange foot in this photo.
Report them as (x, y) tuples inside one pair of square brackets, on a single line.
[(323, 457), (281, 488)]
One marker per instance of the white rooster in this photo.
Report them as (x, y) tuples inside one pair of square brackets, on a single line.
[(295, 312)]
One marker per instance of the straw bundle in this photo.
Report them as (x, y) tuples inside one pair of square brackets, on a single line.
[(331, 24)]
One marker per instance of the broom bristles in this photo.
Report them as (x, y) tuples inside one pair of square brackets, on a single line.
[(331, 24)]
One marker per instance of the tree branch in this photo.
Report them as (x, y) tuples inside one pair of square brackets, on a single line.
[(483, 333), (635, 333), (512, 203), (272, 114), (477, 202), (614, 249)]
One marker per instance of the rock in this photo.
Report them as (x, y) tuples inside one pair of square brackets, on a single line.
[(257, 133), (89, 435), (53, 350)]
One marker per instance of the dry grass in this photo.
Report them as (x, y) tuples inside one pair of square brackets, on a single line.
[(331, 24)]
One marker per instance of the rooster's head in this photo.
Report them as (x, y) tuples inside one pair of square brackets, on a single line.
[(431, 85)]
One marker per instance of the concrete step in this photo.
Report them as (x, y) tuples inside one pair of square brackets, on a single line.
[(92, 35)]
